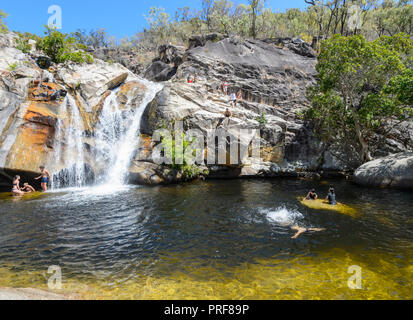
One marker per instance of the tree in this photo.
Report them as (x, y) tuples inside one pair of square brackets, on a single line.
[(363, 89), (3, 27), (256, 6), (61, 47)]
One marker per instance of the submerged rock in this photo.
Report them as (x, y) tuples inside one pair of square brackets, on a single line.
[(392, 171)]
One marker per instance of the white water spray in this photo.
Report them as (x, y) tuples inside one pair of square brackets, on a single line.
[(115, 139), (118, 134), (68, 146)]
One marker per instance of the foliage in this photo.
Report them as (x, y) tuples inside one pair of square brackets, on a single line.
[(262, 119), (22, 42), (3, 27), (61, 47), (95, 38), (179, 162), (13, 66), (363, 89)]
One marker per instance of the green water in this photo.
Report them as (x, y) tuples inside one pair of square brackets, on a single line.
[(210, 240)]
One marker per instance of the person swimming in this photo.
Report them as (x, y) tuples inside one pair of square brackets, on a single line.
[(312, 195), (45, 176), (16, 187), (301, 230), (27, 188), (331, 197)]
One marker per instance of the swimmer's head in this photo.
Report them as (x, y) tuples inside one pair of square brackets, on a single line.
[(42, 167), (16, 177), (26, 184)]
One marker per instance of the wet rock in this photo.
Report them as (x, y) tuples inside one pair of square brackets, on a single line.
[(392, 171)]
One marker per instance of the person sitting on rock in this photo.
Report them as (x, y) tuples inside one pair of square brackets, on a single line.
[(228, 113), (301, 230), (312, 195), (27, 188), (189, 79), (45, 176), (331, 197), (239, 95), (16, 187)]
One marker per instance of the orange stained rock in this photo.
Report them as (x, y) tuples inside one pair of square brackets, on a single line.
[(30, 148)]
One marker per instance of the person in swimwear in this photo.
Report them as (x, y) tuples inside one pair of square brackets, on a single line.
[(45, 176), (16, 187), (312, 195), (27, 188), (331, 197), (301, 230)]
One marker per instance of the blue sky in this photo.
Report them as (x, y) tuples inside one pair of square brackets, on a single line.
[(120, 18)]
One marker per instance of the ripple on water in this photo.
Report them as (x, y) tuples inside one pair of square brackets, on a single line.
[(213, 240)]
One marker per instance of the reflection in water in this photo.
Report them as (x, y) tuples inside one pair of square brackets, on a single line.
[(217, 239)]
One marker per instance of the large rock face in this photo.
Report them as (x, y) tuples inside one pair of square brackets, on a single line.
[(392, 171), (273, 80), (31, 107)]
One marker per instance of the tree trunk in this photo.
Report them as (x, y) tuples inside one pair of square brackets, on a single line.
[(365, 155)]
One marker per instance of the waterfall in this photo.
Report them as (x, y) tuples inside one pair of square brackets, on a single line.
[(68, 147), (117, 135), (115, 139)]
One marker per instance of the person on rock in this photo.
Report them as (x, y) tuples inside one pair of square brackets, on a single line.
[(239, 95), (233, 99), (27, 188), (45, 176), (16, 187), (331, 197), (226, 121), (312, 195), (225, 87)]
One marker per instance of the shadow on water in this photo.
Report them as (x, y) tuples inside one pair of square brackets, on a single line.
[(183, 235)]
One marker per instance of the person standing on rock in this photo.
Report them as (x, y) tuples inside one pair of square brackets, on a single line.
[(45, 176), (225, 87), (233, 99)]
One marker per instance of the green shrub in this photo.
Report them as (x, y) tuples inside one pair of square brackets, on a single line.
[(189, 171), (23, 45), (3, 27), (23, 41), (262, 120), (13, 66), (61, 48)]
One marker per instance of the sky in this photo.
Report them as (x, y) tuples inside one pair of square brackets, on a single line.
[(120, 18)]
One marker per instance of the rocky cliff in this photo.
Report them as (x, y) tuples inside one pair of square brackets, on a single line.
[(49, 110), (273, 76), (38, 105)]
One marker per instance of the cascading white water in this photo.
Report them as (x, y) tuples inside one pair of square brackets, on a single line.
[(69, 147), (116, 137)]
